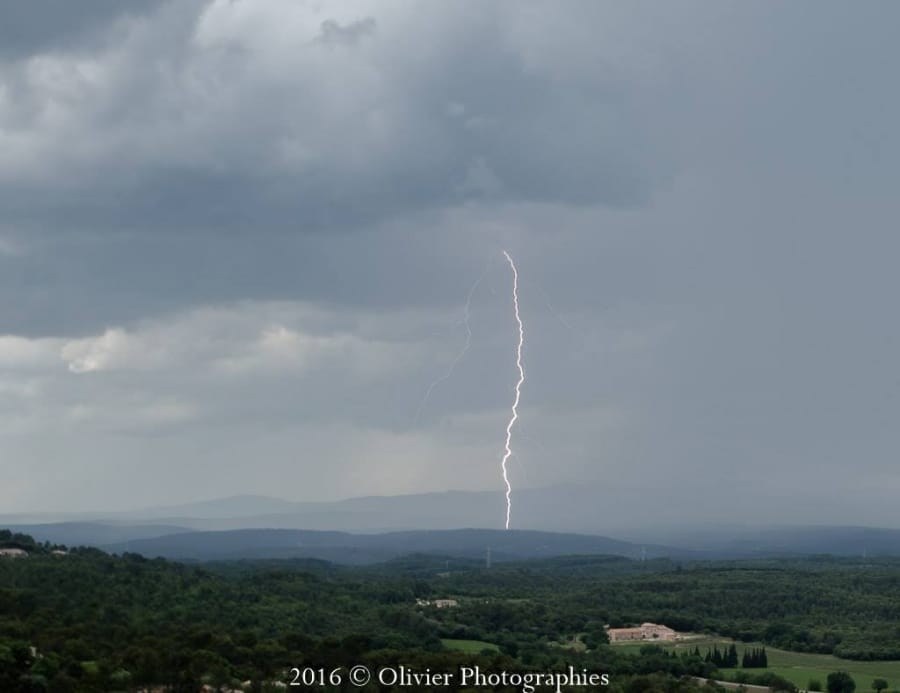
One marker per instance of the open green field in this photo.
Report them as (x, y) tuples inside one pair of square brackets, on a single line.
[(797, 667), (469, 646)]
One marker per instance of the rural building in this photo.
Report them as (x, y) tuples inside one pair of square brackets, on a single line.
[(623, 634), (13, 553), (439, 603), (445, 603), (646, 631), (654, 631)]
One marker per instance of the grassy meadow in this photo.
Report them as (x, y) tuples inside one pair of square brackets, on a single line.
[(469, 646), (797, 667)]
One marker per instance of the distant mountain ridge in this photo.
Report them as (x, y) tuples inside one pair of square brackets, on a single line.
[(93, 533), (179, 542), (837, 540), (343, 547), (228, 507), (560, 511)]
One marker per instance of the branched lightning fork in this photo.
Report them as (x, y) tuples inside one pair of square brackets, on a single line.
[(515, 406), (461, 354)]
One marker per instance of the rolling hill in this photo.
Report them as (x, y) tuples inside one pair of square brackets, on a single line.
[(342, 547)]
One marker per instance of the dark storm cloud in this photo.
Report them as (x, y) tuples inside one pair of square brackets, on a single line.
[(49, 25), (418, 126), (180, 139)]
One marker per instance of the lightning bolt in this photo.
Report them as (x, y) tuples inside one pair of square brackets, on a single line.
[(462, 352), (515, 406)]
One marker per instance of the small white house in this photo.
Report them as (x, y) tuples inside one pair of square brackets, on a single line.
[(13, 553), (439, 603)]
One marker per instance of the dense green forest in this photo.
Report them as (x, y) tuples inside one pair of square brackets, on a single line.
[(87, 621)]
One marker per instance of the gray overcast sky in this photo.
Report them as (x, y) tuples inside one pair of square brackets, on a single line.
[(236, 238)]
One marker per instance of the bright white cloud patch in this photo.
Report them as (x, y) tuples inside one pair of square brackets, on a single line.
[(206, 364), (22, 353), (239, 340)]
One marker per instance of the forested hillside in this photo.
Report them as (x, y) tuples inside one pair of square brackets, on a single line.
[(98, 622)]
